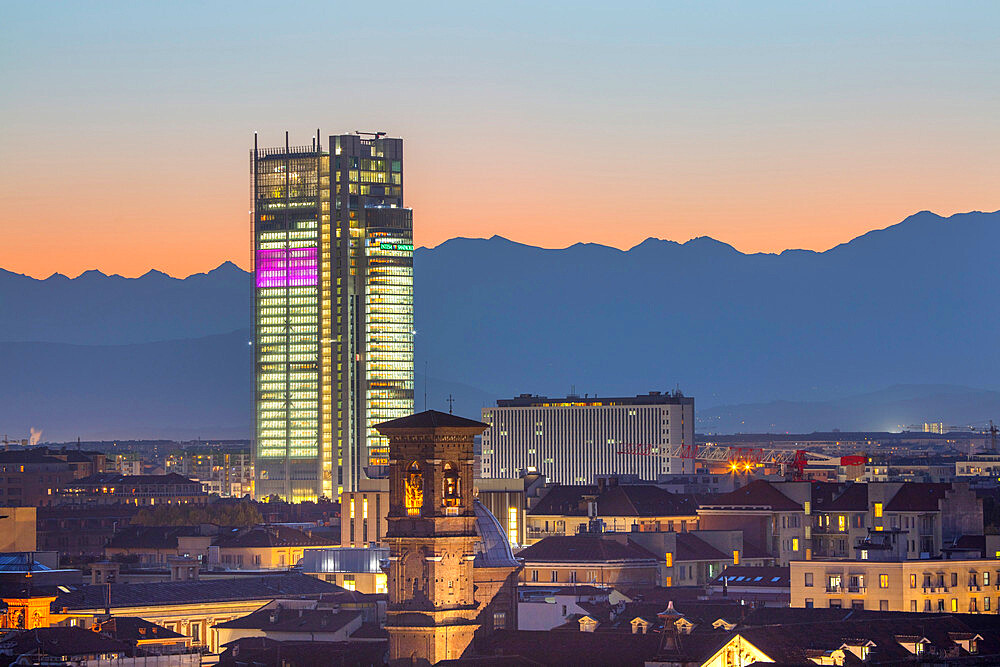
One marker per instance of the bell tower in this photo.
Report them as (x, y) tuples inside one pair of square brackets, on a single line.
[(431, 615)]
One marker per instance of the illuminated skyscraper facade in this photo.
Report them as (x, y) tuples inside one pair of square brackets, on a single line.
[(333, 311)]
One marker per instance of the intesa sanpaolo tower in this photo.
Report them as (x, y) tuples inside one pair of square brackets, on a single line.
[(333, 311)]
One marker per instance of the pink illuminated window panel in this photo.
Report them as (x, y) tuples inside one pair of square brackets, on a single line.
[(287, 267)]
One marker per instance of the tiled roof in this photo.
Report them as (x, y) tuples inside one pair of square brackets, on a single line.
[(758, 493), (430, 419), (133, 629), (740, 575), (691, 547), (264, 651), (752, 550), (170, 479), (968, 543), (564, 499), (918, 497), (293, 620), (267, 587), (796, 647), (638, 500), (151, 537), (854, 498), (59, 641), (560, 647), (583, 548), (27, 456), (268, 536)]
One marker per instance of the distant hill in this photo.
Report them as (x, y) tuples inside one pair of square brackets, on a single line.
[(913, 304), (884, 410), (96, 309)]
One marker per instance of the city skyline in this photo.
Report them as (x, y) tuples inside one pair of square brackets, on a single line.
[(767, 128)]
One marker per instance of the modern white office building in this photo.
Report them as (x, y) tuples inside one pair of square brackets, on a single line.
[(573, 439)]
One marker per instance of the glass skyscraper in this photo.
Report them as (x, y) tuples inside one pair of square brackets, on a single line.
[(333, 311)]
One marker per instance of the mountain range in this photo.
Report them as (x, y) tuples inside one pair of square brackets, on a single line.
[(896, 326)]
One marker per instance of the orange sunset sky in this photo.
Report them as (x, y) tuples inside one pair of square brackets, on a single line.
[(125, 130)]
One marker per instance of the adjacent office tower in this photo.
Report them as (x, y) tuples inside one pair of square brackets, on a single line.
[(571, 440), (333, 311)]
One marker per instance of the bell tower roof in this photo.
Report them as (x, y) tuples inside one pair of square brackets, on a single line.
[(429, 419)]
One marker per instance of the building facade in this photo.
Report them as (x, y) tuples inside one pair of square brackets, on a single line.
[(226, 472), (571, 440), (950, 586), (363, 514), (333, 318)]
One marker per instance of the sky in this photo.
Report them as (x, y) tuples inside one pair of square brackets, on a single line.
[(125, 127)]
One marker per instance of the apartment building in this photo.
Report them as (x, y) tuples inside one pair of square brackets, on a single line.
[(569, 509), (947, 586)]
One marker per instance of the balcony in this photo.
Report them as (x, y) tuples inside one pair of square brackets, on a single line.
[(834, 589), (857, 589)]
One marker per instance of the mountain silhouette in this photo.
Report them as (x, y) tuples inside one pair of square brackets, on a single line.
[(914, 304)]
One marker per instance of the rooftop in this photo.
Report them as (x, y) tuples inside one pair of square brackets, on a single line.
[(136, 480), (268, 536), (584, 548), (638, 500), (293, 620), (918, 497), (652, 398), (740, 575), (268, 587), (758, 493), (692, 547), (430, 419)]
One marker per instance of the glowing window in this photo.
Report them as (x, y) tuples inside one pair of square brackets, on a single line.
[(878, 510), (512, 525)]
